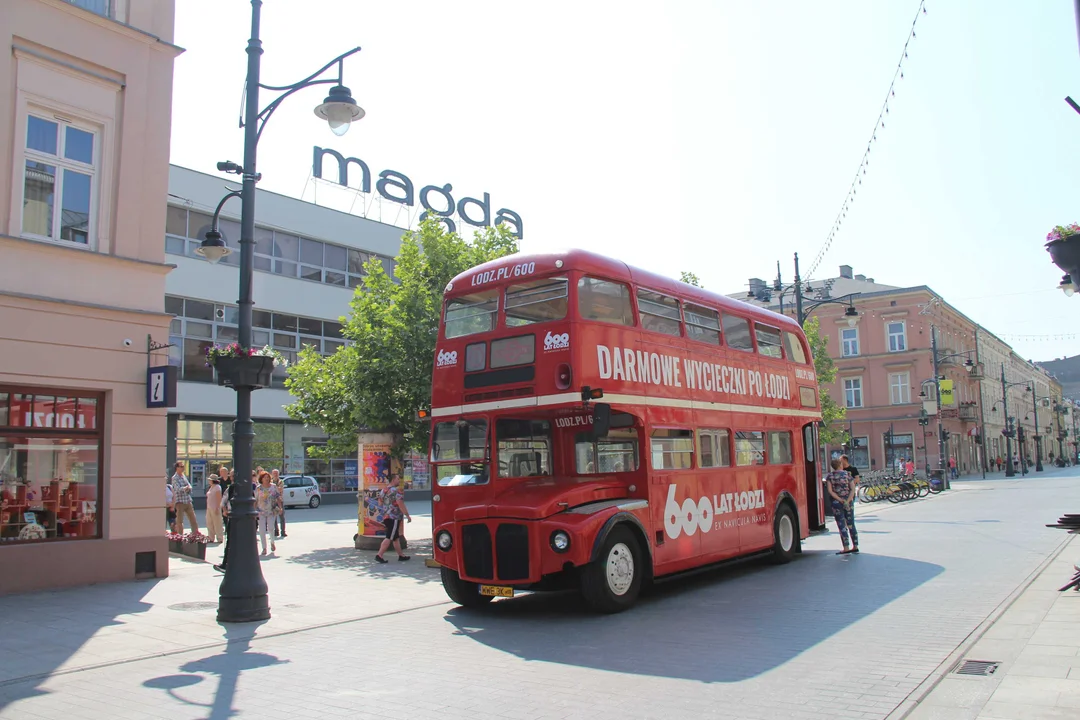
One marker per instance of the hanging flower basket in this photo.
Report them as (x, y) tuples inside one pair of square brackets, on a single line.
[(1063, 244), (237, 366)]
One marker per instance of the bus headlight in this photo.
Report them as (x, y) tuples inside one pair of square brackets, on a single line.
[(444, 541), (560, 541)]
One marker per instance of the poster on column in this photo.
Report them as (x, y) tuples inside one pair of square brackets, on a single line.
[(375, 476)]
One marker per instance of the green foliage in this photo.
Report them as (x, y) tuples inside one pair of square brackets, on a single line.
[(832, 430), (690, 279), (383, 375)]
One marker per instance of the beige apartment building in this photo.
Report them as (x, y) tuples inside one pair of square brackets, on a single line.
[(84, 148)]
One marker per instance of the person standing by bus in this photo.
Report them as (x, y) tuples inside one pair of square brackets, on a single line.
[(393, 502), (842, 493), (850, 469)]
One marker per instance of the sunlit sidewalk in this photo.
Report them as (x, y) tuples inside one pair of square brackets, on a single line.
[(1025, 661)]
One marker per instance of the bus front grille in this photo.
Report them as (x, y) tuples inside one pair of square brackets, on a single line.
[(512, 551), (476, 551)]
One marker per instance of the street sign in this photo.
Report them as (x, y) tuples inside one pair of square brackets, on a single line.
[(161, 386)]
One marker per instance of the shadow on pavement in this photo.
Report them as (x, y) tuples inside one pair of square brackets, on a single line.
[(726, 625), (227, 665), (43, 630), (363, 563)]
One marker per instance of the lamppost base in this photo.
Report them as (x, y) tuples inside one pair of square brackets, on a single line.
[(243, 609)]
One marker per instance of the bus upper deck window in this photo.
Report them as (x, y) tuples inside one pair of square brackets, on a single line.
[(794, 348), (605, 301), (737, 333), (702, 323), (768, 341), (536, 302), (472, 314), (658, 313)]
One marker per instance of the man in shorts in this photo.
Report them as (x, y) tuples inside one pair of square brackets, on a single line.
[(393, 500)]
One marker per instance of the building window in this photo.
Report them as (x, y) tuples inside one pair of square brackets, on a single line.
[(58, 181), (101, 7), (899, 388), (50, 460), (200, 325), (853, 392), (849, 342), (897, 337), (276, 252)]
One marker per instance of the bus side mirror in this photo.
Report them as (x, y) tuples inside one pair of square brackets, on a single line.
[(601, 419)]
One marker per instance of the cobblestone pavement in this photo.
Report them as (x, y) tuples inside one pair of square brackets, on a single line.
[(824, 637)]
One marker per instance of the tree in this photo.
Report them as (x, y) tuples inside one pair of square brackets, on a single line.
[(690, 279), (383, 375), (832, 430)]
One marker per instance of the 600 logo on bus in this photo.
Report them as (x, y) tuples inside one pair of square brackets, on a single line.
[(703, 514), (556, 341), (446, 359)]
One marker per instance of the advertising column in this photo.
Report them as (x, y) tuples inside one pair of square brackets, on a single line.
[(375, 466)]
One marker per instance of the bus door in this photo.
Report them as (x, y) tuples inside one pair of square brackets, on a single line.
[(815, 490)]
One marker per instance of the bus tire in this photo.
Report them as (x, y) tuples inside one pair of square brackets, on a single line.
[(465, 594), (612, 582), (785, 535)]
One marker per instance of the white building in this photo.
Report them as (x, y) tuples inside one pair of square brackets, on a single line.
[(308, 260)]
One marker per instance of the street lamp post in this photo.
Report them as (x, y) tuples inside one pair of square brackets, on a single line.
[(243, 592), (970, 366), (1009, 470)]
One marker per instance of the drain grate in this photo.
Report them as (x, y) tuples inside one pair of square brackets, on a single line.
[(977, 667)]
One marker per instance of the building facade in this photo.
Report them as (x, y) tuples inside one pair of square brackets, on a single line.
[(884, 357), (82, 287), (308, 262)]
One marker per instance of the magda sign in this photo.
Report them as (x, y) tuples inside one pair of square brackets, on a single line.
[(437, 201)]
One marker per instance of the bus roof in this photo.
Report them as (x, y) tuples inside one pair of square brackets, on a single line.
[(603, 266)]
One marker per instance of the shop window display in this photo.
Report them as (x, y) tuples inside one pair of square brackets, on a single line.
[(50, 454)]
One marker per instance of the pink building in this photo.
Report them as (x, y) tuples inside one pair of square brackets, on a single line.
[(85, 138)]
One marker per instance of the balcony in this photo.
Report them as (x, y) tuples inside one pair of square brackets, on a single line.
[(968, 413)]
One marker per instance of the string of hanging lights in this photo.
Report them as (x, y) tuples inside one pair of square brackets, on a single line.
[(879, 124)]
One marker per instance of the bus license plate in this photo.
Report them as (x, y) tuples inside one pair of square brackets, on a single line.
[(496, 591)]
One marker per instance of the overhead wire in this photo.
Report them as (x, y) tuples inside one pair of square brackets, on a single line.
[(865, 162)]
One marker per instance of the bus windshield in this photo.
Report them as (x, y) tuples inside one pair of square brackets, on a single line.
[(524, 447), (459, 452)]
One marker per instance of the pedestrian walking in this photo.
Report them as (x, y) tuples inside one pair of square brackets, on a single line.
[(214, 527), (279, 520), (181, 488), (392, 500), (268, 504), (842, 492), (226, 514), (170, 509), (952, 468), (909, 468)]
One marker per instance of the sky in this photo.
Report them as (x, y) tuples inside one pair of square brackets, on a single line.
[(716, 137)]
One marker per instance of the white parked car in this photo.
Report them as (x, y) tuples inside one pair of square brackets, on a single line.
[(301, 490)]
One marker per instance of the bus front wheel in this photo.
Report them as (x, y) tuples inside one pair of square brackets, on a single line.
[(466, 594), (611, 583), (785, 535)]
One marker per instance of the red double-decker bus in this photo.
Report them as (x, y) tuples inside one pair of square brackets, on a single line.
[(602, 426)]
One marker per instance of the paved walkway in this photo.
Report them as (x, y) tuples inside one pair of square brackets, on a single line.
[(1035, 636), (857, 637)]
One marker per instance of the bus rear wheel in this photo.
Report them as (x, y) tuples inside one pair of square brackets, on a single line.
[(785, 535), (612, 582), (465, 594)]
